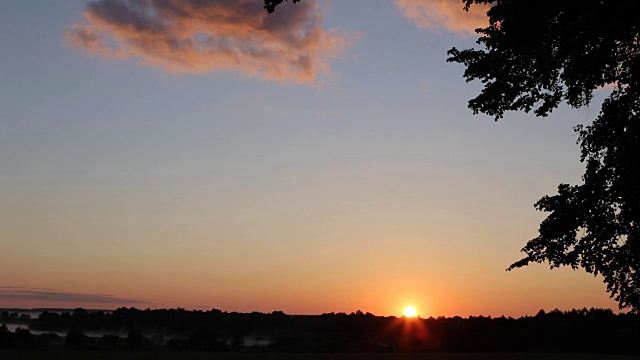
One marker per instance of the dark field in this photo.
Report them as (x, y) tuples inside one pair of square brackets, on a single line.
[(133, 355)]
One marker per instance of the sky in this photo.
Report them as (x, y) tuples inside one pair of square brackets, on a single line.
[(204, 154)]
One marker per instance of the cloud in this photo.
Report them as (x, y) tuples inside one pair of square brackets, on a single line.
[(200, 36), (447, 14), (86, 37), (15, 292)]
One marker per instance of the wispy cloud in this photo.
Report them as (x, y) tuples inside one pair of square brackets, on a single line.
[(15, 292), (199, 36), (447, 14)]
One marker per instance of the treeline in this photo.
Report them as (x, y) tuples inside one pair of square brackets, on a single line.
[(23, 339), (582, 331), (14, 317)]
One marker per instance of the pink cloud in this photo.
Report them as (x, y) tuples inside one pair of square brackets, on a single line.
[(199, 36), (447, 14)]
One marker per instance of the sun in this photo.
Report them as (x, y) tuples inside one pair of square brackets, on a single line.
[(410, 312)]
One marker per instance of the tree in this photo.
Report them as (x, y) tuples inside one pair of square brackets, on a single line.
[(270, 5), (537, 55)]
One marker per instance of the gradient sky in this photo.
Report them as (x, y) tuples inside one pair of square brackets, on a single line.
[(208, 164)]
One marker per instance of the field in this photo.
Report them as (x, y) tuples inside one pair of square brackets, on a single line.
[(150, 355)]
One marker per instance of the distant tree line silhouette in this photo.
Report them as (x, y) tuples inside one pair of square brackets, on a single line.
[(14, 317), (583, 331), (22, 338)]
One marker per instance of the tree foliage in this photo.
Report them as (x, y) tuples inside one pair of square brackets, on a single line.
[(270, 5), (537, 55)]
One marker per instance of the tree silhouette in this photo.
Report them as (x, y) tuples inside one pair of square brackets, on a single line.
[(79, 341), (538, 55), (270, 5)]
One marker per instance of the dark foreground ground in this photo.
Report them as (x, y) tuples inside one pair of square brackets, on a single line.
[(150, 355)]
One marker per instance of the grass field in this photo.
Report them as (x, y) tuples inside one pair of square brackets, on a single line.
[(150, 355)]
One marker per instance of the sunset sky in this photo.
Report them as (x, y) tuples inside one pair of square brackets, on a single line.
[(204, 154)]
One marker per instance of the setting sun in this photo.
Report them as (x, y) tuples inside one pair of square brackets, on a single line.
[(410, 311)]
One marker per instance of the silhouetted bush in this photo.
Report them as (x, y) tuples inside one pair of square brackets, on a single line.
[(79, 341)]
